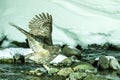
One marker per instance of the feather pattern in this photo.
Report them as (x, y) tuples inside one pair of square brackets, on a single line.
[(41, 25)]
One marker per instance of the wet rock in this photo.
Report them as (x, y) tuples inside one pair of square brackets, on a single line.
[(114, 64), (74, 59), (70, 52), (36, 72), (84, 67), (93, 77), (53, 71), (66, 62), (77, 76), (107, 62), (65, 71), (43, 70), (103, 63)]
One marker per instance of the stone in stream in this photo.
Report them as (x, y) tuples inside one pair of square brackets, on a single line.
[(103, 62), (84, 67), (65, 71), (107, 62), (52, 71), (77, 76), (66, 50), (114, 64)]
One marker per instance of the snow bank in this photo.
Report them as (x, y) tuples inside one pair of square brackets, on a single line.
[(75, 21), (9, 52)]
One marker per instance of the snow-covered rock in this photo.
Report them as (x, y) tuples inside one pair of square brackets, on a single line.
[(106, 62), (58, 59)]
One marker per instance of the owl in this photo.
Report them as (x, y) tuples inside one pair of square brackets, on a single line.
[(40, 31)]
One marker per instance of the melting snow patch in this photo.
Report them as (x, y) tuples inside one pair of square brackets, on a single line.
[(58, 59), (9, 52)]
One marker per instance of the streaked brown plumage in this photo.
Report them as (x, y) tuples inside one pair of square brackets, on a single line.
[(40, 35), (41, 25)]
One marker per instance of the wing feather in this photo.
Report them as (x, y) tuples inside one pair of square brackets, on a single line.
[(41, 25)]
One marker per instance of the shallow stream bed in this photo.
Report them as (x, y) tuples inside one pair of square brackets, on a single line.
[(15, 71)]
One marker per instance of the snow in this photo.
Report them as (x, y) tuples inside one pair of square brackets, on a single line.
[(10, 52), (58, 59), (74, 21)]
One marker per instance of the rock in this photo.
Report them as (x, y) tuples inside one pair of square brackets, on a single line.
[(70, 52), (107, 62), (41, 69), (36, 72), (93, 77), (114, 64), (32, 72), (65, 72), (53, 71), (66, 62), (77, 76), (103, 63), (83, 67), (58, 59)]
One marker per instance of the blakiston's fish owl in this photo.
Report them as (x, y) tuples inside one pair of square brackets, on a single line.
[(40, 31)]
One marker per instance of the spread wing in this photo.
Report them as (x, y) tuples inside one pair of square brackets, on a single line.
[(41, 25), (35, 42)]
